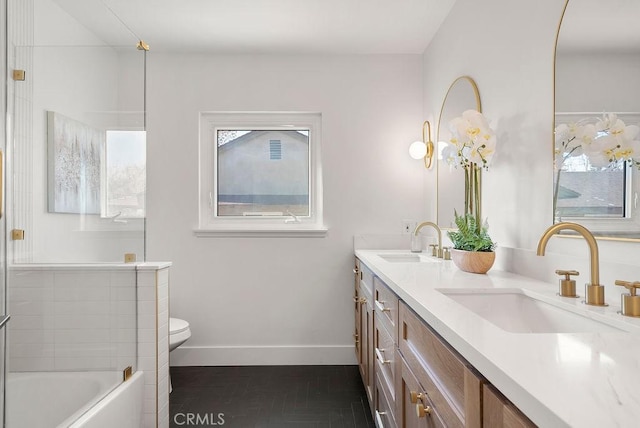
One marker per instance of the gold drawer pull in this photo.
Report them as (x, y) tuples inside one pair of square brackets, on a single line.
[(380, 306), (356, 271), (380, 356), (422, 411), (379, 415), (415, 396)]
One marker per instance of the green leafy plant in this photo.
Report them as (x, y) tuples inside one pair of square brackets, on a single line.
[(470, 236)]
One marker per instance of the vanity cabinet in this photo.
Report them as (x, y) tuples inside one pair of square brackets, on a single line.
[(413, 406), (452, 388), (412, 376), (357, 334), (499, 412), (385, 338), (365, 330)]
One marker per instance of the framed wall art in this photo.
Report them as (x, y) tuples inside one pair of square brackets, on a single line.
[(75, 154)]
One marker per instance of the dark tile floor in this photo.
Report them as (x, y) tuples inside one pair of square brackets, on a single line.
[(269, 397)]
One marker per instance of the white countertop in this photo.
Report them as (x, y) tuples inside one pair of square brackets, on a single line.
[(556, 379)]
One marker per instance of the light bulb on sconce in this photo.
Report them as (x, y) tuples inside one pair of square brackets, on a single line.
[(423, 149)]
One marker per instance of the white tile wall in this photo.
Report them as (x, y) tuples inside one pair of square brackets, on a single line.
[(153, 344), (88, 318), (71, 318)]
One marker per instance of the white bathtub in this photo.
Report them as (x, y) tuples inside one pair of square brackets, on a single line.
[(73, 399)]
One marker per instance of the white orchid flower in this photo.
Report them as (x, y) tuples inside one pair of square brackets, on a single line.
[(474, 139), (608, 121), (450, 155)]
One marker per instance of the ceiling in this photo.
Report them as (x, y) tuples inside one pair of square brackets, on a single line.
[(265, 26)]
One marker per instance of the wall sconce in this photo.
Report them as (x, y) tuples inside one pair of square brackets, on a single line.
[(423, 149)]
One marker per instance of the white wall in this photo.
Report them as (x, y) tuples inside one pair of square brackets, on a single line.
[(588, 82), (507, 47), (280, 300)]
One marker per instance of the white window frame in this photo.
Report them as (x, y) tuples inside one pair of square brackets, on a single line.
[(211, 225)]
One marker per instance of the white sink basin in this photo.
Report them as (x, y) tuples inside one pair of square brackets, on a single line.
[(514, 311), (407, 258)]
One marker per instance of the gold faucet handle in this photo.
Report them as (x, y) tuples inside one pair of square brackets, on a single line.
[(434, 250), (567, 273), (567, 285), (631, 286)]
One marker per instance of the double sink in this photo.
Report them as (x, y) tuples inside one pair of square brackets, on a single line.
[(518, 310)]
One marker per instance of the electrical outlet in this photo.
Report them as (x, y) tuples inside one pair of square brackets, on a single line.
[(408, 226)]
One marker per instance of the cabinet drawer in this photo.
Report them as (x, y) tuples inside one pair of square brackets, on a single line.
[(384, 412), (438, 368), (498, 412), (366, 278), (384, 349), (409, 396), (386, 306)]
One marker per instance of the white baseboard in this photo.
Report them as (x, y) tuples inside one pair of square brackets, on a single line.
[(263, 355)]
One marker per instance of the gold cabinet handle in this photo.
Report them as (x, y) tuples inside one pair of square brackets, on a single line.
[(363, 300), (356, 271), (380, 356), (415, 396), (421, 410), (380, 306), (355, 299), (379, 415)]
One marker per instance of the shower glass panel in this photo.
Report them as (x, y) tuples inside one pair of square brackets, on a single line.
[(75, 183)]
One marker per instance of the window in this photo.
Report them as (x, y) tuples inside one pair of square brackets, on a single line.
[(124, 175), (260, 174), (601, 197)]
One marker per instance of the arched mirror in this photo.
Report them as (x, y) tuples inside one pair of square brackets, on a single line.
[(597, 114), (462, 95)]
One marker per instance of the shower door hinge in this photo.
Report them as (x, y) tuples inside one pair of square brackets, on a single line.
[(126, 373), (17, 235), (19, 75)]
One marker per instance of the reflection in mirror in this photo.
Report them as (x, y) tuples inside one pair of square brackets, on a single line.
[(462, 95), (597, 114)]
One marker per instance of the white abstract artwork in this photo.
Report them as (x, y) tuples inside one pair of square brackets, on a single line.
[(75, 159)]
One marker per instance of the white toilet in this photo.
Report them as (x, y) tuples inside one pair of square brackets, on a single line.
[(179, 332)]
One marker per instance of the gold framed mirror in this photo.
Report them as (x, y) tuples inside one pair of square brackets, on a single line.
[(462, 95), (596, 87)]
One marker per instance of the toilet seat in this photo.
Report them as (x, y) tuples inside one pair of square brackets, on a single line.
[(179, 333), (177, 325)]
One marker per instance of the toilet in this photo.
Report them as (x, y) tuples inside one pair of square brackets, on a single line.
[(179, 332)]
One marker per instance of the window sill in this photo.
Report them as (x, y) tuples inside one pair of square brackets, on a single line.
[(271, 232)]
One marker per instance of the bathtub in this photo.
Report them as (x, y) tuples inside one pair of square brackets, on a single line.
[(73, 399)]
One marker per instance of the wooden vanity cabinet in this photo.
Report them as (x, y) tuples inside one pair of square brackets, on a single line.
[(453, 388), (498, 412), (412, 376), (364, 325), (385, 338), (356, 303), (413, 406)]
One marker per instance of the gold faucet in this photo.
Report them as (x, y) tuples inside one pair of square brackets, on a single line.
[(594, 290), (438, 250)]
